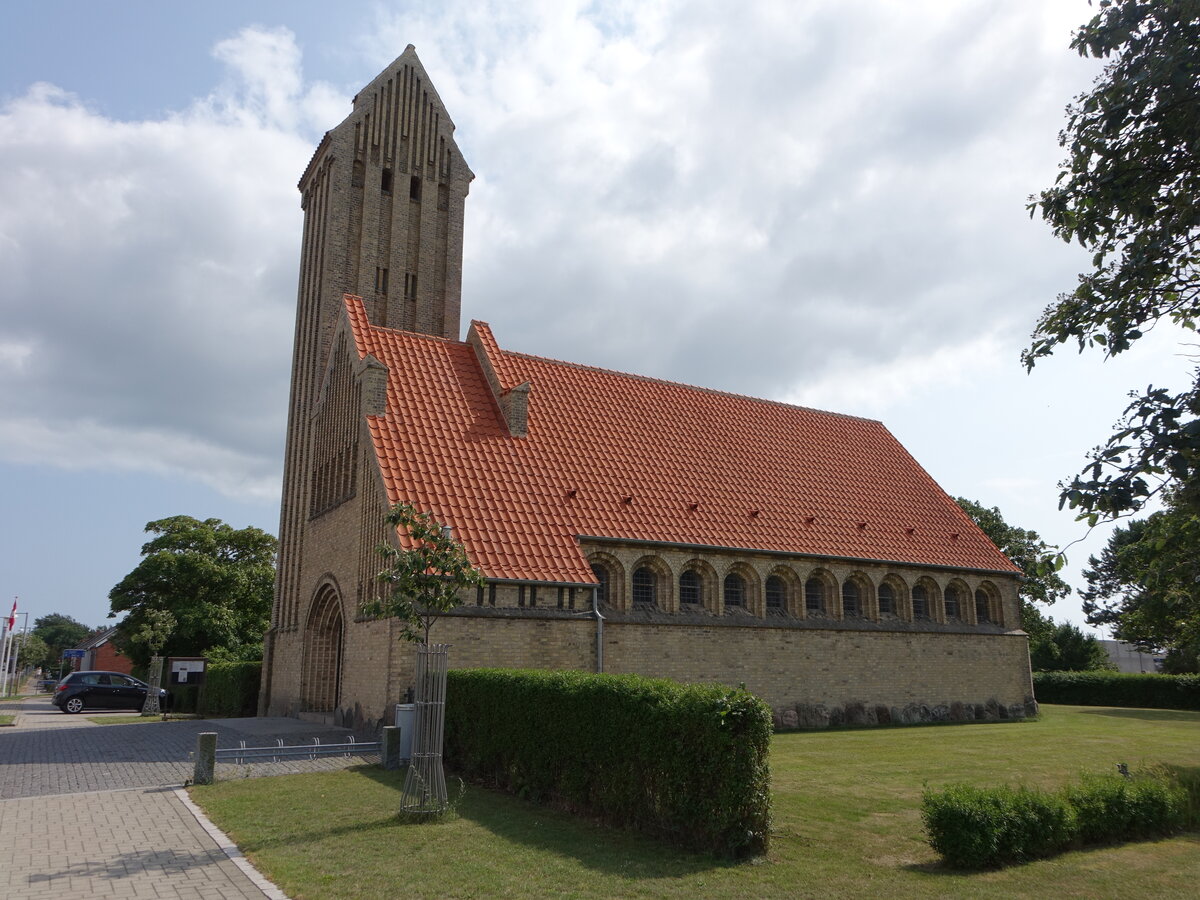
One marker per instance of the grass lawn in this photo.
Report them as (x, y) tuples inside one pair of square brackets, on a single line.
[(846, 824), (7, 718), (132, 719)]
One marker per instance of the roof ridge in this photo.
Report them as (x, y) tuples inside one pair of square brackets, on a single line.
[(633, 376)]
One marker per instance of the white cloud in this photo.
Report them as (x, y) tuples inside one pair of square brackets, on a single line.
[(152, 265)]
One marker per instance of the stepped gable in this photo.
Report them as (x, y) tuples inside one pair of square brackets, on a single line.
[(618, 456)]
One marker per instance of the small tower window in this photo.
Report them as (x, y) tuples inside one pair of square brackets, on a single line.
[(410, 286), (381, 281), (414, 188), (385, 181)]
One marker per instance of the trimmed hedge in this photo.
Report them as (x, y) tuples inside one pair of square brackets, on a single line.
[(1118, 689), (231, 689), (686, 762), (975, 828)]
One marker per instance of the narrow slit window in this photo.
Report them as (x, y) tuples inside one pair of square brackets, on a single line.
[(385, 181), (414, 188)]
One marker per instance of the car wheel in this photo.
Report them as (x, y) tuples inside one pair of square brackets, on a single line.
[(74, 705)]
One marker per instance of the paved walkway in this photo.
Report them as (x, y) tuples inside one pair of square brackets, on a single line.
[(96, 811)]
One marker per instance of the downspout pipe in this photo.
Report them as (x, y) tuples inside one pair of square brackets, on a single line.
[(599, 629)]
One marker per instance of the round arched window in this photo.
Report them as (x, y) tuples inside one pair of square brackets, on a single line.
[(814, 595), (735, 589), (776, 592), (643, 586)]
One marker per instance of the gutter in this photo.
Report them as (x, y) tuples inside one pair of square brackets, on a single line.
[(599, 629)]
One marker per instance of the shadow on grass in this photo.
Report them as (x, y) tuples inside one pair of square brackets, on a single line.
[(611, 850), (1147, 715)]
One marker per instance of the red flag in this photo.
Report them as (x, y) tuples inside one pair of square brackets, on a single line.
[(12, 618)]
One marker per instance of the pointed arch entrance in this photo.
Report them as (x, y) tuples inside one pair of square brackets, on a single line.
[(322, 674)]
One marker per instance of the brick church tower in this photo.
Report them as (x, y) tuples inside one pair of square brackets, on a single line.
[(383, 200)]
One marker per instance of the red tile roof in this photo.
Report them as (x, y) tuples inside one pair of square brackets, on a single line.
[(611, 455)]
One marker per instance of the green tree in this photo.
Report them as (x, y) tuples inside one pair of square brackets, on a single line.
[(1065, 648), (1145, 585), (426, 574), (1036, 559), (59, 632), (215, 580), (34, 652), (1127, 192)]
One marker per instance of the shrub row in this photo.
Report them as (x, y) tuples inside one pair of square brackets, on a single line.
[(686, 762), (978, 827), (1118, 689), (229, 689)]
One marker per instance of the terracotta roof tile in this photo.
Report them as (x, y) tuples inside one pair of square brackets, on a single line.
[(695, 464)]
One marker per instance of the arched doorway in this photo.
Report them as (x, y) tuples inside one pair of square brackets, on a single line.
[(323, 652)]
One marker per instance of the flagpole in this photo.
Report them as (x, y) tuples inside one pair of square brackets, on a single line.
[(10, 622)]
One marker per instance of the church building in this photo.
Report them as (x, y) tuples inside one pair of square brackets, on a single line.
[(623, 524)]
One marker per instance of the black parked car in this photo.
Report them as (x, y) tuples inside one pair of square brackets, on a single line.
[(103, 690)]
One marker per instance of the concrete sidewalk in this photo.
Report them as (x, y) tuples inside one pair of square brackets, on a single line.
[(96, 811)]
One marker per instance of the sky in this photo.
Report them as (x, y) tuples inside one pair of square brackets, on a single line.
[(818, 202)]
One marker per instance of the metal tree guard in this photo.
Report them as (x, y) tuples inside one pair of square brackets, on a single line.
[(425, 783), (151, 707)]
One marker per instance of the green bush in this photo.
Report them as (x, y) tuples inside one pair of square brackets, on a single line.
[(230, 689), (687, 762), (978, 827), (1118, 689), (1113, 808), (974, 827)]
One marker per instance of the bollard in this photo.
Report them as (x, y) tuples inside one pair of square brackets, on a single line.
[(206, 758), (389, 747)]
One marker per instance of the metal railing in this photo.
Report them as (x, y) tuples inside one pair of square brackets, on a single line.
[(280, 752)]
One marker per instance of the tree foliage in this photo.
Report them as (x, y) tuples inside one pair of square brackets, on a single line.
[(1127, 192), (34, 652), (1037, 560), (214, 580), (425, 574), (1065, 648), (1145, 585), (59, 632)]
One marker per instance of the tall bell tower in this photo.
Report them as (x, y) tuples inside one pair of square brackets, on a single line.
[(383, 200)]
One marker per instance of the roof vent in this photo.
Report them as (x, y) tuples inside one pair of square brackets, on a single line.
[(910, 530), (808, 520), (754, 513), (862, 526), (954, 535), (572, 492), (628, 498), (693, 506)]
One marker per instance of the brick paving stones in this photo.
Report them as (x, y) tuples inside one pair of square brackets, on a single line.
[(93, 811)]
